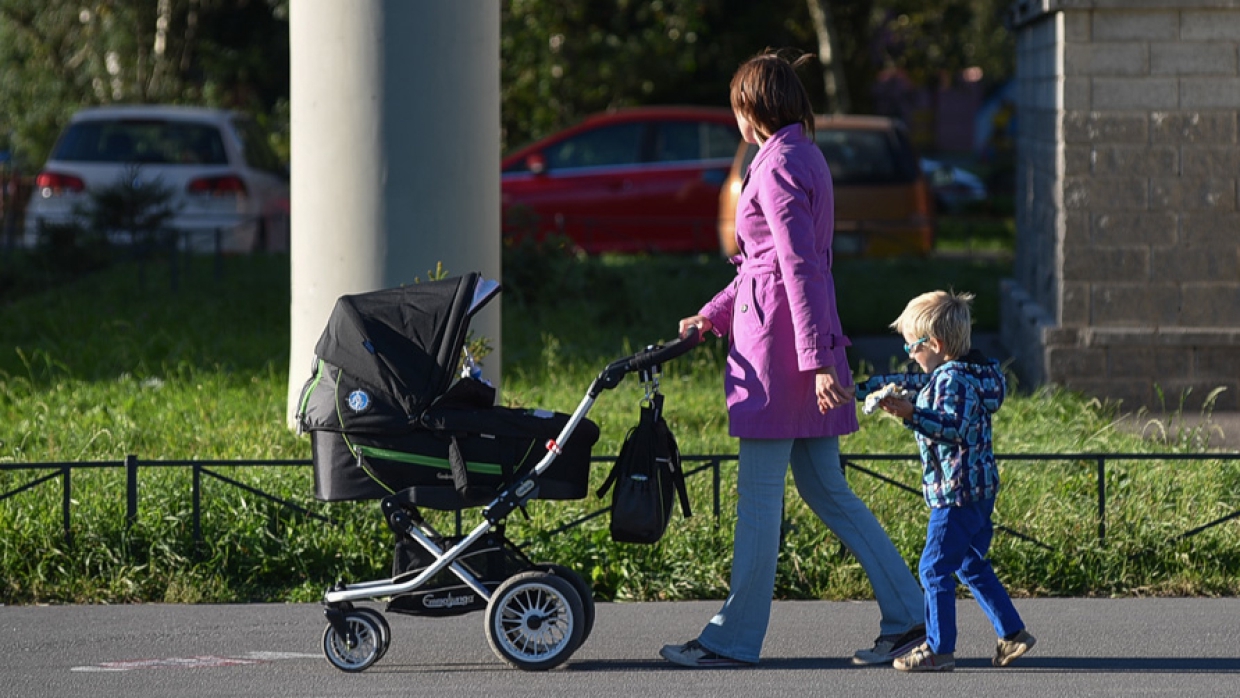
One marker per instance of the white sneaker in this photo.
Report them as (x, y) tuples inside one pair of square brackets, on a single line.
[(888, 647)]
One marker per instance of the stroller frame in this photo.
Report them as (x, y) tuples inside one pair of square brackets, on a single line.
[(535, 619)]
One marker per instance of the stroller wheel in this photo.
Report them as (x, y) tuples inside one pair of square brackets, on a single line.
[(583, 591), (535, 620), (385, 630), (365, 649)]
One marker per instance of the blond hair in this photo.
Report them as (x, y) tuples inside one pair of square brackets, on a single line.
[(940, 315)]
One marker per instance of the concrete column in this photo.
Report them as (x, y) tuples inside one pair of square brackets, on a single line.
[(395, 155)]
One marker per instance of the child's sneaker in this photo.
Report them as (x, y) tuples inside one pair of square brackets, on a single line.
[(1008, 650), (922, 658), (693, 654), (888, 647)]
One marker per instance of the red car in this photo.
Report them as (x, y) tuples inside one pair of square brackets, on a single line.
[(643, 179)]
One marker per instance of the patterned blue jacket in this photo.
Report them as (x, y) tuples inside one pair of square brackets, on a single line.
[(951, 420)]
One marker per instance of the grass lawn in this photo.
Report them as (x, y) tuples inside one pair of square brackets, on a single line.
[(117, 363)]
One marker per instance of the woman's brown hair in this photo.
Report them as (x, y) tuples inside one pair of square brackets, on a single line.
[(767, 92)]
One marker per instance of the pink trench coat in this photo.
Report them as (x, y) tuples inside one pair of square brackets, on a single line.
[(780, 311)]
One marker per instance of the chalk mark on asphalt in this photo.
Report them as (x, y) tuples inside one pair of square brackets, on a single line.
[(196, 662)]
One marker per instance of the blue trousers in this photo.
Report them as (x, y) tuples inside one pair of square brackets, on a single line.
[(957, 541), (739, 628)]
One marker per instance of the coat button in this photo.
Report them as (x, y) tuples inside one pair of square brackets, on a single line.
[(744, 307)]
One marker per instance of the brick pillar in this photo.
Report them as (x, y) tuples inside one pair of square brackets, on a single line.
[(1127, 279)]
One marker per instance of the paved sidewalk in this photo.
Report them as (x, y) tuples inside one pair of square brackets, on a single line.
[(1086, 647)]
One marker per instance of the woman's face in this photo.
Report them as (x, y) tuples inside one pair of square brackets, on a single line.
[(748, 132)]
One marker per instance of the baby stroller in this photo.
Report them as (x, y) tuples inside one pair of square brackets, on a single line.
[(389, 419)]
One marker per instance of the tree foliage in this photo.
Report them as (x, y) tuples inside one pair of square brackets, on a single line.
[(564, 59), (559, 59)]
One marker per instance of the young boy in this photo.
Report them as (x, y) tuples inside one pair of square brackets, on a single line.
[(955, 396)]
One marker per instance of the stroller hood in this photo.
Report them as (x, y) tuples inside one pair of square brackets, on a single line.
[(403, 343)]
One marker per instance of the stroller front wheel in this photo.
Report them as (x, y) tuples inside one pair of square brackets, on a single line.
[(385, 630), (535, 620), (358, 652)]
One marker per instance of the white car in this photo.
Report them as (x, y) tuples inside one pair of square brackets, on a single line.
[(228, 189)]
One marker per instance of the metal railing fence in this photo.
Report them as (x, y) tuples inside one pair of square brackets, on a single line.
[(694, 465)]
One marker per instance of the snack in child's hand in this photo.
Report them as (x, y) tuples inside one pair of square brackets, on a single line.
[(889, 390)]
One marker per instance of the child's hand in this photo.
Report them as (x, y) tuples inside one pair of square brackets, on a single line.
[(866, 387), (898, 406)]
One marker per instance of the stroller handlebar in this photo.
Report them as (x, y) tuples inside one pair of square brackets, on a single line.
[(660, 354), (642, 360)]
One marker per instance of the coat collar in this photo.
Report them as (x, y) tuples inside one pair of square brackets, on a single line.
[(788, 134)]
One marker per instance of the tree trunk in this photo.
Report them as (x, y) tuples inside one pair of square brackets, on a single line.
[(828, 55)]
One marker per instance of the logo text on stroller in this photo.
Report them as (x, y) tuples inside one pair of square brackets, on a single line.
[(358, 400)]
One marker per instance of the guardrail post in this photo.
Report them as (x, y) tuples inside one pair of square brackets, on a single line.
[(66, 497), (717, 477), (197, 497), (1102, 501), (131, 491)]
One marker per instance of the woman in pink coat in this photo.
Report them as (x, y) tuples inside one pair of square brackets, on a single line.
[(788, 386)]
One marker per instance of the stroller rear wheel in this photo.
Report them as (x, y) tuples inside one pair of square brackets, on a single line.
[(535, 620), (365, 649), (583, 591)]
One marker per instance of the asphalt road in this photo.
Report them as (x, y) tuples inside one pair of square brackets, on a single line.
[(1086, 647)]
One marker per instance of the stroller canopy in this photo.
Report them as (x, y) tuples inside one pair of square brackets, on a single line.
[(403, 342)]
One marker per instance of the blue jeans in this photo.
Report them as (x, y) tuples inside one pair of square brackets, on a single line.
[(957, 541), (739, 628)]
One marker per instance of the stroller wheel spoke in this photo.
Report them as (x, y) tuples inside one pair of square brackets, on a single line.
[(534, 620)]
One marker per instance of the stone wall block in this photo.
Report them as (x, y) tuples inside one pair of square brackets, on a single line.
[(1135, 93), (1141, 305), (1134, 228), (1211, 304), (1221, 161), (1106, 264), (1114, 193), (1218, 231), (1196, 194), (1135, 160), (1188, 264), (1076, 362), (1156, 25), (1127, 59), (1213, 127), (1074, 304), (1209, 25), (1098, 127), (1202, 58), (1217, 363), (1209, 93)]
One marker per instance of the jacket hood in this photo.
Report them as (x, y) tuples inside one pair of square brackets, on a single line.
[(985, 375)]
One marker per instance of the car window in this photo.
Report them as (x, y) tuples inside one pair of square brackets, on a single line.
[(255, 148), (142, 141), (720, 141), (866, 157), (617, 144), (677, 141)]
